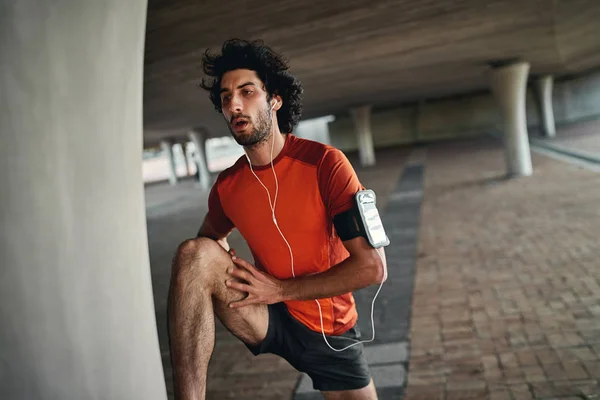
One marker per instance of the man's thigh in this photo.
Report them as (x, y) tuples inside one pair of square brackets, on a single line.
[(305, 350), (248, 323)]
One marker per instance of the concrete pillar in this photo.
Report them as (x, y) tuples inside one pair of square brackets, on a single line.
[(184, 149), (509, 85), (76, 306), (362, 122), (198, 138), (167, 148), (543, 88)]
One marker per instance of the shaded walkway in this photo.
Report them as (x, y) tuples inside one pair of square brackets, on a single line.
[(507, 295)]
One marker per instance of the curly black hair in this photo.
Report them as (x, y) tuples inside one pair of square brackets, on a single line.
[(270, 67)]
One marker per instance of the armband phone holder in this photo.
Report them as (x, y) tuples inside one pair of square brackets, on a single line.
[(365, 201)]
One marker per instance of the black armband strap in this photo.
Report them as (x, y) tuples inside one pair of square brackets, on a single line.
[(362, 220), (348, 225)]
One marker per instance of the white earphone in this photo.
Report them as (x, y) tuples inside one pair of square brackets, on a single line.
[(272, 205)]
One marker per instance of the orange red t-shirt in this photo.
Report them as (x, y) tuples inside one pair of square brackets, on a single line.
[(316, 182)]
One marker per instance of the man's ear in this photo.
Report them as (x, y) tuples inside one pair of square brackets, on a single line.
[(278, 102)]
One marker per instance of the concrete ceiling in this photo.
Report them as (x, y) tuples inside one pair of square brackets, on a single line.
[(355, 52)]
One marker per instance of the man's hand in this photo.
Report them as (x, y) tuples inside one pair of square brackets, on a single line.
[(261, 288)]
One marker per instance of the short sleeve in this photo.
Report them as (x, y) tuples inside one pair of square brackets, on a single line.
[(216, 215), (338, 182)]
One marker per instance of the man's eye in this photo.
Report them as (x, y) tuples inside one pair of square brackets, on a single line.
[(225, 99), (248, 92)]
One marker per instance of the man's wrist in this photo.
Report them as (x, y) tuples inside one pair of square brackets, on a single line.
[(285, 290)]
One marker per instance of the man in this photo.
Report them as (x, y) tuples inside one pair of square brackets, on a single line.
[(283, 198)]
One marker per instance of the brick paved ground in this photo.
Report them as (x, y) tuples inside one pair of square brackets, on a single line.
[(507, 291)]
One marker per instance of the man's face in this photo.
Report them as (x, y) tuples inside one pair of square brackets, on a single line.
[(245, 107)]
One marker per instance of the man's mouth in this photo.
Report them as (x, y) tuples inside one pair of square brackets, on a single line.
[(239, 124)]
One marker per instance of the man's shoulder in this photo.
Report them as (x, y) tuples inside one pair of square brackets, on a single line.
[(229, 173), (310, 152)]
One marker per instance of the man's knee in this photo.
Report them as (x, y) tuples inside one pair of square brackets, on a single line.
[(194, 255), (198, 247)]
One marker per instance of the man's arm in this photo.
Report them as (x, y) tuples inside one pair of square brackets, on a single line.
[(338, 184), (366, 266), (207, 230)]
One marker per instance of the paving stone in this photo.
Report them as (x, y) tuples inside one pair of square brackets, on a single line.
[(387, 353), (432, 392), (500, 395)]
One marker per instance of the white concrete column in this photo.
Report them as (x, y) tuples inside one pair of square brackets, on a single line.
[(185, 158), (509, 85), (543, 87), (167, 148), (198, 138), (362, 122), (76, 306)]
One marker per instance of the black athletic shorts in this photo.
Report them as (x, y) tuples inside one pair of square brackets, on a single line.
[(306, 351)]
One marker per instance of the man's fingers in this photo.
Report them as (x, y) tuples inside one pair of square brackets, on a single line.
[(242, 287), (232, 252), (243, 263), (242, 303), (240, 273)]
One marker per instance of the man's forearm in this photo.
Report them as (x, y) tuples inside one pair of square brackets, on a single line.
[(350, 275)]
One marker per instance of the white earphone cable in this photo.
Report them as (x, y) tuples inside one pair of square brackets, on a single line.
[(272, 205)]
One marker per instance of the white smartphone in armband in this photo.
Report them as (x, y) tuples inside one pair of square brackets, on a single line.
[(366, 203)]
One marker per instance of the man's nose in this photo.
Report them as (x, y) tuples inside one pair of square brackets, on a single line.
[(235, 105)]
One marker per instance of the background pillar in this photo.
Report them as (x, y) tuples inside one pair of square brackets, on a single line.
[(509, 86), (543, 87), (198, 138), (167, 148), (362, 122)]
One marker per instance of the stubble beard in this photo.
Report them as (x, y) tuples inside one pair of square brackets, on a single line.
[(261, 129)]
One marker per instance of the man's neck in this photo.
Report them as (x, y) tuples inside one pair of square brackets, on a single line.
[(260, 154)]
